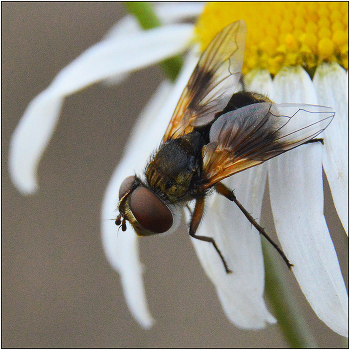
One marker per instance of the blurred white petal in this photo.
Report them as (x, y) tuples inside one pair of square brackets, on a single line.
[(240, 293), (170, 12), (167, 13), (296, 192), (30, 139), (125, 26), (122, 248), (107, 58), (331, 85), (124, 54)]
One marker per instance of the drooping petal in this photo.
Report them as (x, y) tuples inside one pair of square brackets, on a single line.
[(122, 248), (107, 58), (240, 293), (30, 139), (296, 191), (331, 86)]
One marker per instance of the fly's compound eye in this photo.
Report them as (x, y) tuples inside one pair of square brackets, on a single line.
[(126, 186), (150, 211)]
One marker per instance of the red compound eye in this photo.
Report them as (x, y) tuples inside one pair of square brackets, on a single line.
[(150, 211)]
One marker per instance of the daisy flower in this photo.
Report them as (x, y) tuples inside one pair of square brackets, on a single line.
[(295, 52)]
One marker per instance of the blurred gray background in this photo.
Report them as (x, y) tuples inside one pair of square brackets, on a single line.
[(58, 289)]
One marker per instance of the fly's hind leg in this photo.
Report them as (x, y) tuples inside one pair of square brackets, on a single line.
[(195, 220), (226, 192)]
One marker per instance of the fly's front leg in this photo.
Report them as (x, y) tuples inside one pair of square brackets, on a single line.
[(226, 192), (195, 220)]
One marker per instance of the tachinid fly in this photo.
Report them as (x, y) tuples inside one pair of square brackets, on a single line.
[(214, 133)]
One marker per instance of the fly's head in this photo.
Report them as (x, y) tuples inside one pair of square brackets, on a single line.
[(146, 212)]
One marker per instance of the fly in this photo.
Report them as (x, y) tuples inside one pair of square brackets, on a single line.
[(213, 134)]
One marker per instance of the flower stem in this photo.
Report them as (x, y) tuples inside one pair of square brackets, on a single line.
[(148, 19), (289, 316)]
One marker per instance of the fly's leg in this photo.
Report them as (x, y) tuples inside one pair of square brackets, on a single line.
[(189, 209), (195, 220), (226, 192)]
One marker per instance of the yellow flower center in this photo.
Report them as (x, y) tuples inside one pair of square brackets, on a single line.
[(282, 34)]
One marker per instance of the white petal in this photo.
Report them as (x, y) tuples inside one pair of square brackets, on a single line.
[(167, 12), (105, 59), (296, 191), (30, 139), (124, 54), (259, 81), (331, 85), (125, 26), (170, 12), (241, 293), (122, 249)]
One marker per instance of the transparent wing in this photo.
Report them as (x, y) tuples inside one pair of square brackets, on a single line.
[(212, 82), (253, 134)]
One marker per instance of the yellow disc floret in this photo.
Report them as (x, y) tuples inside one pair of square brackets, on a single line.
[(282, 34)]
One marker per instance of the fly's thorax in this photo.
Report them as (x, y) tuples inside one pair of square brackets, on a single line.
[(176, 167)]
